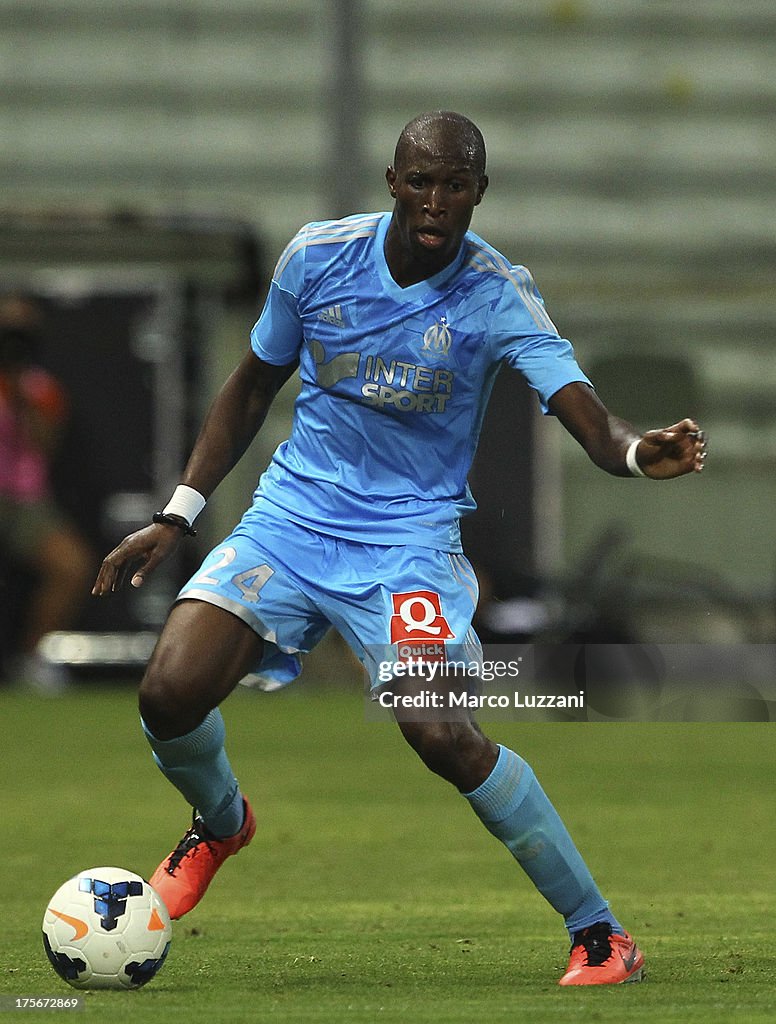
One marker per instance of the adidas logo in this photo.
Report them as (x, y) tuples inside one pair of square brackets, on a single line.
[(332, 315)]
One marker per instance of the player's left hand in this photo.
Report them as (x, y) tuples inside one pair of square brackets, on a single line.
[(672, 451)]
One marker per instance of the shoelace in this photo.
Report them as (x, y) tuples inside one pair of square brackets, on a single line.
[(596, 942), (191, 839)]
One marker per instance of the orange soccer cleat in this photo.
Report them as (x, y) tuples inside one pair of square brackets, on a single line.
[(599, 957), (183, 877)]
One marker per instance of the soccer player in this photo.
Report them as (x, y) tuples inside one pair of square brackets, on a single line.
[(398, 323)]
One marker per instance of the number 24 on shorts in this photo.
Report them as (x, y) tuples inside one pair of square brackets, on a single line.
[(249, 582)]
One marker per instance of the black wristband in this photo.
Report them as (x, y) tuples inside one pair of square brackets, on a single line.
[(171, 520)]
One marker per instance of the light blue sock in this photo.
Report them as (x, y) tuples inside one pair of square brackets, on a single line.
[(513, 806), (197, 765)]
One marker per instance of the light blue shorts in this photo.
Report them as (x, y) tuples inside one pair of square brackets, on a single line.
[(291, 584)]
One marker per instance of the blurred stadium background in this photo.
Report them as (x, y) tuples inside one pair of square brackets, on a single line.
[(155, 157)]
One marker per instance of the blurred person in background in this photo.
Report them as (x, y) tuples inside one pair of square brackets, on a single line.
[(36, 537)]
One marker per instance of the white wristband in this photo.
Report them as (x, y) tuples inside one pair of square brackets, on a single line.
[(185, 502), (630, 459)]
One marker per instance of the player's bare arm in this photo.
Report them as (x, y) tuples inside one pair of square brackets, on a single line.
[(660, 454), (233, 420)]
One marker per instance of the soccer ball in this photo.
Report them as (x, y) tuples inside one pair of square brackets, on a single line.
[(106, 928)]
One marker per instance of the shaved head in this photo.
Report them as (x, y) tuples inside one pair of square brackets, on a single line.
[(446, 133), (437, 179)]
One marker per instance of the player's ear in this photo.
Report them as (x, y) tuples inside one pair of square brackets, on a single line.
[(482, 184), (390, 177)]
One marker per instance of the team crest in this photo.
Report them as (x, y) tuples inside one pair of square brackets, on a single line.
[(438, 338)]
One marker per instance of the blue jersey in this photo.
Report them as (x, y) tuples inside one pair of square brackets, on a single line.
[(394, 381)]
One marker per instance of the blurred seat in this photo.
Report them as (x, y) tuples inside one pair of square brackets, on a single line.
[(651, 390)]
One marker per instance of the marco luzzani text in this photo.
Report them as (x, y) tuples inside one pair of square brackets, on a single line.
[(483, 671)]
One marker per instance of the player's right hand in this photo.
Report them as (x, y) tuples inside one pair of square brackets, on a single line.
[(145, 549)]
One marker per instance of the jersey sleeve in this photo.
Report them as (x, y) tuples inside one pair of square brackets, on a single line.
[(277, 334), (525, 337)]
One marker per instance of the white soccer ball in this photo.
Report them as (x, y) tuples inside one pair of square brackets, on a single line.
[(106, 928)]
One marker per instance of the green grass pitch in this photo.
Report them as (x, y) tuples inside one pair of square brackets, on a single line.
[(371, 893)]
